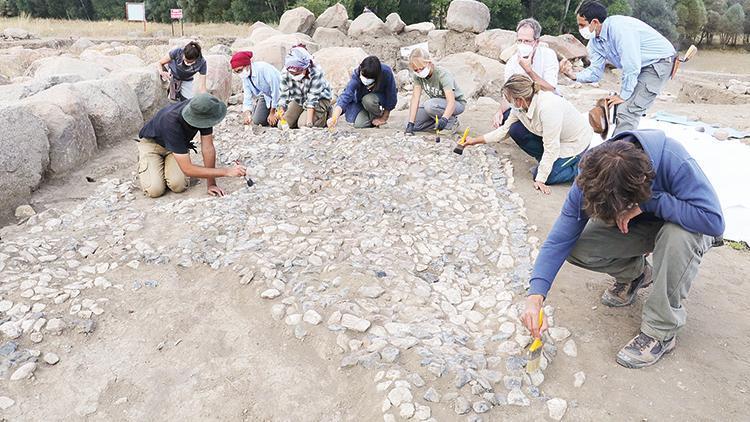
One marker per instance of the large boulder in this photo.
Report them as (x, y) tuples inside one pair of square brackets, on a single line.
[(335, 16), (263, 33), (442, 42), (81, 44), (17, 34), (112, 108), (220, 49), (70, 135), (338, 63), (255, 26), (25, 156), (298, 19), (15, 61), (147, 85), (394, 24), (329, 37), (242, 44), (63, 65), (275, 49), (421, 28), (474, 73), (154, 53), (367, 25), (492, 43), (30, 86), (467, 16), (110, 63), (219, 76), (566, 46)]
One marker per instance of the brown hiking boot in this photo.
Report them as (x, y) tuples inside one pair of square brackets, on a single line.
[(623, 294), (644, 350)]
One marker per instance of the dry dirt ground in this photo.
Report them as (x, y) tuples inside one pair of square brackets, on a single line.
[(197, 349)]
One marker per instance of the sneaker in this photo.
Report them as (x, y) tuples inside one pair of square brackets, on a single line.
[(644, 350), (623, 294)]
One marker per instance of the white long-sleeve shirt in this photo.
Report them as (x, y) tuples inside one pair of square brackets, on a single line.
[(564, 131)]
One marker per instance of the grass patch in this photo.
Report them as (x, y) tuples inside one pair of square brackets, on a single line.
[(61, 28), (738, 246)]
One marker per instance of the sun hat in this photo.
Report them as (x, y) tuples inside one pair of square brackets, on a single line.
[(204, 111)]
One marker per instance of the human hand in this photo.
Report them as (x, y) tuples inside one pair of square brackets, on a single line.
[(165, 75), (473, 141), (540, 186), (442, 123), (331, 123), (272, 118), (566, 67), (214, 190), (526, 62), (409, 128), (236, 171), (379, 121), (309, 124), (530, 316), (497, 121), (247, 118), (624, 218), (614, 100)]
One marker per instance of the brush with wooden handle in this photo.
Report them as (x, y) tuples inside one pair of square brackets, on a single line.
[(534, 356), (459, 149), (437, 131), (689, 54)]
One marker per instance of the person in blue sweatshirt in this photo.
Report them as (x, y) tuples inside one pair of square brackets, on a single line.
[(369, 97), (637, 194)]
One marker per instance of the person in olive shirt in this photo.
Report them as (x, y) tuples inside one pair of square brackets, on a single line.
[(165, 143), (446, 99)]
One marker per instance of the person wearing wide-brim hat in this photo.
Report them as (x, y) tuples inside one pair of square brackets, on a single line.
[(165, 143)]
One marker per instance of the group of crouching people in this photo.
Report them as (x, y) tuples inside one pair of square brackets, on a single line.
[(638, 194)]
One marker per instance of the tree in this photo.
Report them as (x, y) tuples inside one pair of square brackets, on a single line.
[(619, 7), (732, 24), (660, 14), (691, 18), (414, 11)]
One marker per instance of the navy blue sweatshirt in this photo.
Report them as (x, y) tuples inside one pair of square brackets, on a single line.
[(681, 194), (351, 99)]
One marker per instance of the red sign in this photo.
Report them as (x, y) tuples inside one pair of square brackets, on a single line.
[(175, 13)]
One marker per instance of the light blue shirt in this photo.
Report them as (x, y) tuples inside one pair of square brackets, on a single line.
[(628, 44), (265, 80)]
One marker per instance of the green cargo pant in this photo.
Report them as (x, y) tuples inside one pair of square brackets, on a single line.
[(677, 254)]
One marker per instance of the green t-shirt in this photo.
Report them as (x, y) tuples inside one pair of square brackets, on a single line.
[(437, 83)]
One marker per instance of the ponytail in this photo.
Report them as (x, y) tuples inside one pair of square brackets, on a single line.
[(520, 86), (192, 51)]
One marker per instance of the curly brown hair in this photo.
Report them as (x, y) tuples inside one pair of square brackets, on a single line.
[(614, 177)]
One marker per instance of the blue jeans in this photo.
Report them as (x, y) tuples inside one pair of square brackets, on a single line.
[(563, 170)]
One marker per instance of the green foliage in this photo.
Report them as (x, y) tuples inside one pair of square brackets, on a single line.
[(316, 6), (660, 14), (619, 7), (505, 13), (691, 18), (414, 11)]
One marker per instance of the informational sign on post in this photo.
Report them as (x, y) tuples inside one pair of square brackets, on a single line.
[(176, 15), (136, 12)]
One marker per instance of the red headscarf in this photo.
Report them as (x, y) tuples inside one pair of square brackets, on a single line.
[(241, 59)]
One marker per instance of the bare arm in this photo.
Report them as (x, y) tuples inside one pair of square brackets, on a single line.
[(209, 156), (544, 85), (450, 107), (201, 79), (191, 170), (415, 97)]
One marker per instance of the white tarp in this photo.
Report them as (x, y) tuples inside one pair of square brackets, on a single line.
[(727, 165)]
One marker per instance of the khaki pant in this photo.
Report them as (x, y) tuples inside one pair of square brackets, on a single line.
[(296, 115), (677, 254), (651, 81), (158, 170)]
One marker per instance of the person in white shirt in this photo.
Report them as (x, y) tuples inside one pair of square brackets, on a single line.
[(545, 126), (536, 61)]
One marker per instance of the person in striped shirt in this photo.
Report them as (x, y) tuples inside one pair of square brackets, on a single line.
[(306, 95)]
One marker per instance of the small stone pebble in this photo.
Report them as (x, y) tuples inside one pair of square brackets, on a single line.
[(24, 371), (481, 407), (6, 402), (432, 395), (51, 358), (461, 406), (557, 408), (578, 379), (270, 294), (570, 348)]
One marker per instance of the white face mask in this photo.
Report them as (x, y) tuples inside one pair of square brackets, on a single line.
[(524, 50), (298, 77), (366, 81), (245, 73), (424, 73), (586, 32)]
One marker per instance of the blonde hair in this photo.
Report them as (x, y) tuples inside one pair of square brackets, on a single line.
[(419, 56), (520, 86)]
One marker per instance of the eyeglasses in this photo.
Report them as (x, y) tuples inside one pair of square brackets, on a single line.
[(527, 42)]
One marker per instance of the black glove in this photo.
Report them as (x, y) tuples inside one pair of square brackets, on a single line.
[(409, 128), (442, 123)]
